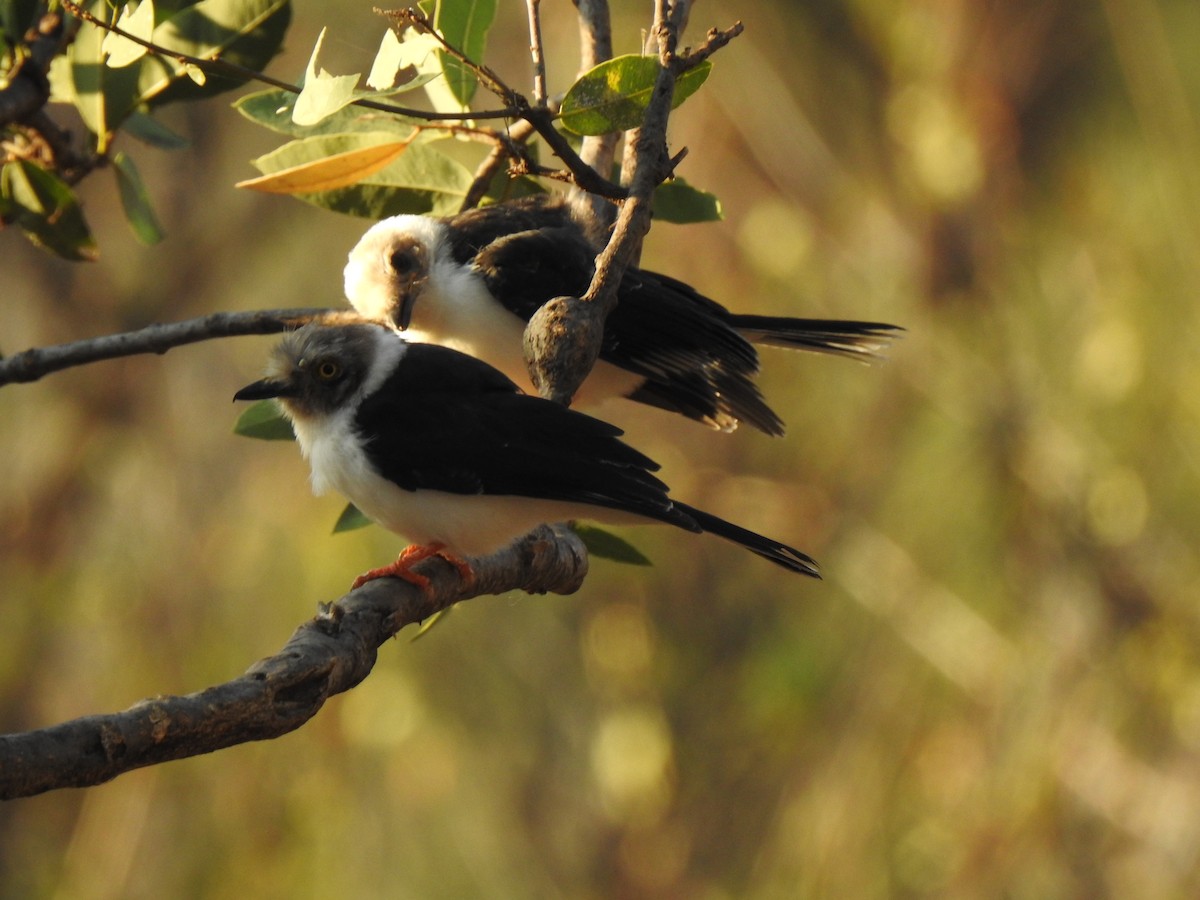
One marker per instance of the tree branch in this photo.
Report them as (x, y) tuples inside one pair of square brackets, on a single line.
[(28, 87), (540, 117), (535, 50), (562, 340), (597, 151), (506, 147), (30, 365), (327, 655)]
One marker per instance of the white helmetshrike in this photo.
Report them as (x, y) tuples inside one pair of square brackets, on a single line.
[(445, 450), (472, 282)]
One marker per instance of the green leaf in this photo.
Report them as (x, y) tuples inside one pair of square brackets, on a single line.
[(426, 625), (149, 130), (103, 96), (136, 201), (464, 24), (264, 421), (273, 109), (351, 519), (614, 95), (422, 180), (247, 33), (606, 545), (62, 79), (678, 202), (416, 52), (323, 94), (119, 50), (45, 207)]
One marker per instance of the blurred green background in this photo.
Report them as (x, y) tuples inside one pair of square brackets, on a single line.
[(995, 692)]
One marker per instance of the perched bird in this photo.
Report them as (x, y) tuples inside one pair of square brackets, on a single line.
[(473, 281), (444, 449)]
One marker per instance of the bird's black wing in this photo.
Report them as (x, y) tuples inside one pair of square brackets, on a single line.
[(471, 231), (681, 342), (525, 269), (445, 421)]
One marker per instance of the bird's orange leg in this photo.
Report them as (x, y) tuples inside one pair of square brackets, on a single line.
[(409, 557)]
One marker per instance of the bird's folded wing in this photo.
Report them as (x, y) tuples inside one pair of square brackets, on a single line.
[(436, 434)]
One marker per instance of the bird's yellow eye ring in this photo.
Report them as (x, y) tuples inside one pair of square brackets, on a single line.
[(327, 370)]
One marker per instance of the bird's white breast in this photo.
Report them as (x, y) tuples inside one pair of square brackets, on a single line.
[(456, 310), (466, 524)]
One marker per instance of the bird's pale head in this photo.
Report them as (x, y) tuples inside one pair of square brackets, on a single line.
[(390, 266), (316, 370)]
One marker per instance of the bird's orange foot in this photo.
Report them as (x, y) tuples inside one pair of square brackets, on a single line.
[(409, 557)]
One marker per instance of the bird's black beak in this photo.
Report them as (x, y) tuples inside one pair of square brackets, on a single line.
[(402, 316), (265, 389)]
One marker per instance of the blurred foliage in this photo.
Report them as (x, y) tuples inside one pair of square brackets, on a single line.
[(996, 692)]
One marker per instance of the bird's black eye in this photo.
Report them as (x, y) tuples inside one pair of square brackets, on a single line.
[(328, 370), (403, 262)]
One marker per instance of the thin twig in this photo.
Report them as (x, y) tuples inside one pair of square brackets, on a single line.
[(327, 655), (535, 50), (30, 365), (714, 41), (507, 146), (417, 20)]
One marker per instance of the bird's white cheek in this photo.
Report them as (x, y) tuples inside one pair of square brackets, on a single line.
[(368, 291)]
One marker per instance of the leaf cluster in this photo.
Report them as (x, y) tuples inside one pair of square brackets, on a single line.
[(351, 148), (98, 60)]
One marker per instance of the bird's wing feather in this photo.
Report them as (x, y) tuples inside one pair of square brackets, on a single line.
[(680, 341), (471, 231), (478, 434)]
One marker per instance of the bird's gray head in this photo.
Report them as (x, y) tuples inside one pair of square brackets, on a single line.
[(390, 266), (318, 369)]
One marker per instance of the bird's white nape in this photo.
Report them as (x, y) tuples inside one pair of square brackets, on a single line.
[(389, 349)]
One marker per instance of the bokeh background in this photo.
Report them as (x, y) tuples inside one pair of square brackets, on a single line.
[(994, 693)]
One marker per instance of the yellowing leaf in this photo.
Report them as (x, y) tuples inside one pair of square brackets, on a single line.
[(331, 172), (121, 51), (387, 63), (323, 94)]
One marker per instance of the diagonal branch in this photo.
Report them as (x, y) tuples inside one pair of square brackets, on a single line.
[(562, 340), (506, 147), (540, 117), (327, 655), (30, 365)]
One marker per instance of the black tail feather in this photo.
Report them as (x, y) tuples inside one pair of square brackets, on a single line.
[(857, 340), (780, 554)]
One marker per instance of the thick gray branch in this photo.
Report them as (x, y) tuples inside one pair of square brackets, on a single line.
[(327, 655), (562, 340), (597, 151), (30, 365)]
